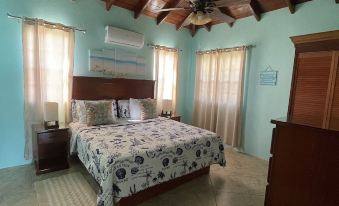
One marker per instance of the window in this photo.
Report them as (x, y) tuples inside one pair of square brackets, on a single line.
[(48, 55), (218, 93), (165, 74)]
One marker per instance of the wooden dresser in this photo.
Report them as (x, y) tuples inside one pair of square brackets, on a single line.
[(304, 167), (51, 149)]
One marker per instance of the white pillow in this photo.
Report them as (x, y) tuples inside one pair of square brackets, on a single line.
[(135, 109)]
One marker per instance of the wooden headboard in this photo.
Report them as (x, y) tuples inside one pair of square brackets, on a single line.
[(95, 88)]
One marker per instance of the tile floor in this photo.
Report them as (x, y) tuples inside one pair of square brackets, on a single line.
[(241, 183)]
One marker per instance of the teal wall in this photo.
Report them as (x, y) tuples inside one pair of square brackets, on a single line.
[(273, 47), (87, 14)]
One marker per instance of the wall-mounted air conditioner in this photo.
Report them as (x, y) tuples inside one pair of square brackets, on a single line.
[(123, 37)]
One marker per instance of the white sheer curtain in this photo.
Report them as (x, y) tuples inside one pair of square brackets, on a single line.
[(48, 56), (165, 74), (219, 93)]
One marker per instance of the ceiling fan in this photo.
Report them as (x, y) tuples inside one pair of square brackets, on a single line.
[(202, 11)]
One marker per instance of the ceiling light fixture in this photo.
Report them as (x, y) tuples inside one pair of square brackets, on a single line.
[(200, 18)]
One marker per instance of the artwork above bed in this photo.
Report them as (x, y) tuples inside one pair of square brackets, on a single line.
[(117, 63)]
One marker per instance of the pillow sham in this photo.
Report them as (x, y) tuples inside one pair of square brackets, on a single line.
[(80, 113), (148, 109), (99, 113), (142, 109), (123, 109), (75, 117)]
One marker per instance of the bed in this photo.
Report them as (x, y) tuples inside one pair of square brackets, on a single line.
[(130, 160)]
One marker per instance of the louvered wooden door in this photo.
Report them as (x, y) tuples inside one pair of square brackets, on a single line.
[(333, 115), (310, 94)]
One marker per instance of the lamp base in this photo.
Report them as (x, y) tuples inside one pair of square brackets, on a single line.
[(167, 114), (51, 125)]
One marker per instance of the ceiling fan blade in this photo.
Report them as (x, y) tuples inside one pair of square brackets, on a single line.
[(220, 15), (173, 9), (191, 1), (225, 3)]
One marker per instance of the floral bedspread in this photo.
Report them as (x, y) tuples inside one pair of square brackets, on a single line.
[(130, 157)]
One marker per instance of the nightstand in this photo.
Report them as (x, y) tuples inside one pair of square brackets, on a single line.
[(176, 118), (51, 149)]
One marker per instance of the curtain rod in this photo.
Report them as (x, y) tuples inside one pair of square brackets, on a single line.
[(226, 49), (164, 47), (47, 22)]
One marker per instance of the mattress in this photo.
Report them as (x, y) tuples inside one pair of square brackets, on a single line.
[(128, 157)]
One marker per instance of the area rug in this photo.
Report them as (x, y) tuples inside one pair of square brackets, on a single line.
[(66, 190)]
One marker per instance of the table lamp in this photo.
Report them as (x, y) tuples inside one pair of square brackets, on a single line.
[(51, 115), (166, 108)]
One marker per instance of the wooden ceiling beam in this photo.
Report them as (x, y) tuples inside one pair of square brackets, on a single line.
[(253, 5), (230, 24), (141, 6), (219, 14), (109, 4), (162, 16), (291, 6), (184, 22)]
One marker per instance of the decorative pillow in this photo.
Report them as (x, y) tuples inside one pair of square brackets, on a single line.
[(142, 109), (99, 112), (123, 109), (149, 109), (75, 117), (81, 111)]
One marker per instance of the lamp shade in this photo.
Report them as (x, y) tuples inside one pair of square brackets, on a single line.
[(51, 111), (200, 18), (167, 105)]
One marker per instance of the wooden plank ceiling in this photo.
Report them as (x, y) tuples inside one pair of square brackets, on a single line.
[(147, 7)]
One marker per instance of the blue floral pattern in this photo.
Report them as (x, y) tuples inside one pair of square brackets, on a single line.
[(129, 157)]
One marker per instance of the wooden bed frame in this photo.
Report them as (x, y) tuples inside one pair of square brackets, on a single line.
[(95, 88)]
